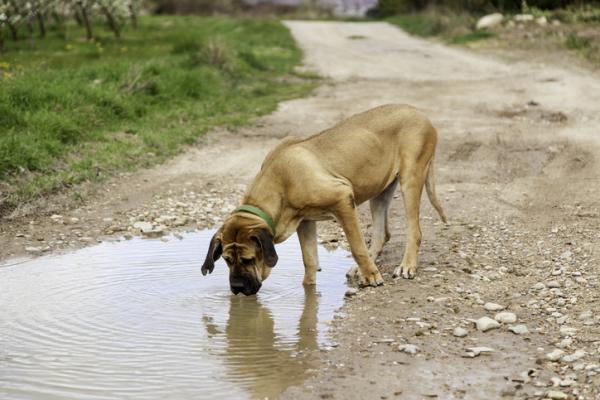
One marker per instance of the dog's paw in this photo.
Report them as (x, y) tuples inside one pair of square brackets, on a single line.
[(352, 274), (405, 271), (370, 279)]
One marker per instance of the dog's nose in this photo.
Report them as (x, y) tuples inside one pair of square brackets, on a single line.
[(237, 286)]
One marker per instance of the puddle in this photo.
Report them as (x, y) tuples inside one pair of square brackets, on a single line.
[(136, 319)]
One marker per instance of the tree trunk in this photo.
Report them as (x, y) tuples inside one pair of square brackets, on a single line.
[(42, 25), (112, 24), (14, 32), (133, 12), (1, 39), (86, 22)]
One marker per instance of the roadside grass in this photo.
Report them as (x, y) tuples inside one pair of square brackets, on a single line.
[(74, 111), (452, 27)]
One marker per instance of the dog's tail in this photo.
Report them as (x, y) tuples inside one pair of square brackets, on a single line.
[(430, 186)]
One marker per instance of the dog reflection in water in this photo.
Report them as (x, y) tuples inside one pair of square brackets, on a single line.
[(257, 358)]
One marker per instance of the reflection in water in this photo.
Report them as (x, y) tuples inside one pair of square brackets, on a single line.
[(255, 354), (137, 320)]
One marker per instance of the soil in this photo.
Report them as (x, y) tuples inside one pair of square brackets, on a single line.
[(519, 177)]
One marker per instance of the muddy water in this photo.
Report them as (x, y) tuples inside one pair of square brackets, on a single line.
[(136, 319)]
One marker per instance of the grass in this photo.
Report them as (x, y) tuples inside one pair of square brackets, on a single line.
[(454, 28), (471, 37), (73, 111)]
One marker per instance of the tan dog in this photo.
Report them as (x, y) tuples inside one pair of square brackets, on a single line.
[(304, 180)]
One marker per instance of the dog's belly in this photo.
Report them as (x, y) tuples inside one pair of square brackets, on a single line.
[(315, 214)]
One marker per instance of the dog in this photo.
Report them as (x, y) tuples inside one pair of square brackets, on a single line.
[(305, 180)]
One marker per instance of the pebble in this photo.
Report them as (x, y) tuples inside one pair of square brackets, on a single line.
[(351, 292), (553, 285), (506, 317), (485, 324), (556, 395), (460, 332), (567, 331), (518, 329), (538, 286), (408, 348), (573, 357), (565, 343), (473, 352), (555, 355), (493, 307), (32, 249)]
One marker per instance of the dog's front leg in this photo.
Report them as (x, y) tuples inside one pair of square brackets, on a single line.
[(368, 273), (307, 234)]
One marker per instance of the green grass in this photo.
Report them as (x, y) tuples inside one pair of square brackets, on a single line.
[(471, 37), (451, 27), (74, 111)]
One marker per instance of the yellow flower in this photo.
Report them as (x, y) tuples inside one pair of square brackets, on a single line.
[(7, 75), (4, 65)]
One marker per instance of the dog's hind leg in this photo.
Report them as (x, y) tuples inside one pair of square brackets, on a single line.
[(412, 181), (380, 206), (307, 234)]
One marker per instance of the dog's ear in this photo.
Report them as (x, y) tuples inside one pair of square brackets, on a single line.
[(215, 249), (264, 239)]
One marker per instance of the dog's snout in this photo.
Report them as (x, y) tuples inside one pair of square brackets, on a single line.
[(243, 285)]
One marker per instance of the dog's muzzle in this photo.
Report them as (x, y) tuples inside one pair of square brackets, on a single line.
[(246, 285)]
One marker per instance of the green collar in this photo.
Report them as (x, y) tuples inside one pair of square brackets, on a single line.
[(259, 213)]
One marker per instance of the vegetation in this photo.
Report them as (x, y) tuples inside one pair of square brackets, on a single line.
[(73, 110)]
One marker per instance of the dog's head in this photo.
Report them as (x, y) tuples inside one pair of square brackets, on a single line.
[(246, 245)]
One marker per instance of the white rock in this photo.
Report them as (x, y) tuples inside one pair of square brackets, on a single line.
[(489, 21), (408, 348), (567, 331), (475, 351), (524, 18), (143, 226), (556, 395), (351, 292), (566, 382), (460, 332), (555, 355), (574, 357), (518, 329), (542, 21), (493, 307), (565, 343), (506, 317), (485, 324), (538, 286), (32, 249), (585, 315)]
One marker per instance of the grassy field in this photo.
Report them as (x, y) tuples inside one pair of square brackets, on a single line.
[(74, 110)]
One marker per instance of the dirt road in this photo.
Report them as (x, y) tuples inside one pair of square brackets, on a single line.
[(518, 175)]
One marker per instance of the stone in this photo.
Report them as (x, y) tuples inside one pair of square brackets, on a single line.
[(573, 357), (567, 331), (485, 324), (351, 292), (555, 355), (524, 18), (408, 348), (489, 21), (542, 21), (493, 307), (33, 249), (565, 343), (518, 329), (460, 332), (553, 285), (556, 395), (143, 226), (506, 317), (538, 286), (473, 352)]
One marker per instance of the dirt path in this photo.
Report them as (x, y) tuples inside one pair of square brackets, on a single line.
[(518, 174)]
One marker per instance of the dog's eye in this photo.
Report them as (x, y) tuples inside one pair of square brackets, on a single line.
[(246, 261)]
